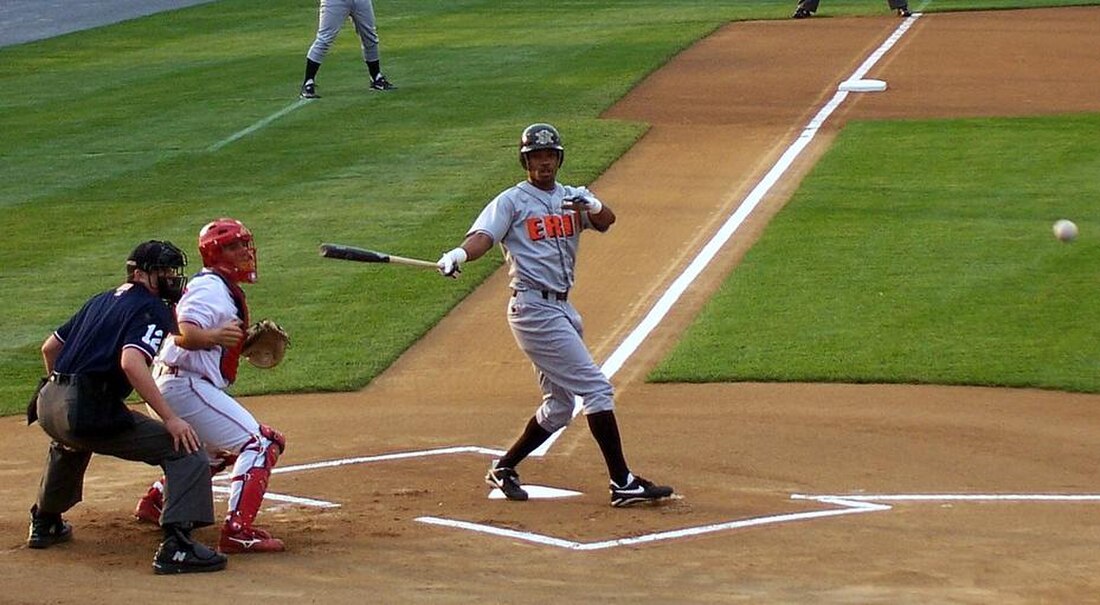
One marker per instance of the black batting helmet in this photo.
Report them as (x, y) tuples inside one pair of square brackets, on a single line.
[(540, 136)]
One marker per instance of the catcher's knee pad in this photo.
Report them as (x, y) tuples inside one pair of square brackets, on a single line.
[(274, 436)]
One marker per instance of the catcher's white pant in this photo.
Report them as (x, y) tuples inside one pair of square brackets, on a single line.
[(220, 422), (223, 425)]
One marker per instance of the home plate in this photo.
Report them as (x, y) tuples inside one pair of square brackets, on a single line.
[(537, 492), (862, 86)]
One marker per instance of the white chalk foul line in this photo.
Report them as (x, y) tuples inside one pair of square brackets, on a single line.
[(711, 249), (258, 125)]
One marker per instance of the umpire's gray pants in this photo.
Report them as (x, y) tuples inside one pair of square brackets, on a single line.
[(188, 497)]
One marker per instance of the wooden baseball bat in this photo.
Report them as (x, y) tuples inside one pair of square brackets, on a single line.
[(362, 255)]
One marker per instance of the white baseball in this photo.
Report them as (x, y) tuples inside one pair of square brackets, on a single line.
[(1065, 230)]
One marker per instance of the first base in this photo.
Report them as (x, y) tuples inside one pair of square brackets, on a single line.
[(537, 492), (862, 86)]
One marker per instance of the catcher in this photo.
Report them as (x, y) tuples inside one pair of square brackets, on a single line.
[(194, 368)]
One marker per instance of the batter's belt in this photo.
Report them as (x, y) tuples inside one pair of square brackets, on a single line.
[(546, 294)]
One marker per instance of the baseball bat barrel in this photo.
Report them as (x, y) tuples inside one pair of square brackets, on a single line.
[(362, 255)]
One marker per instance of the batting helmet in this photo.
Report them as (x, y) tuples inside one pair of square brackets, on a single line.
[(154, 255), (215, 236), (540, 136)]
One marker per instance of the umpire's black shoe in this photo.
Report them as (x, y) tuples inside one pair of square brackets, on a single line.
[(178, 553), (904, 12), (507, 479), (636, 491), (309, 90), (47, 529)]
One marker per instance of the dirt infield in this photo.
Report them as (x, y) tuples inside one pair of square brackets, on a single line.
[(741, 454)]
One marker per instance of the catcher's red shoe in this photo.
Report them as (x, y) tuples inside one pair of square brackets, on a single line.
[(150, 506), (239, 540)]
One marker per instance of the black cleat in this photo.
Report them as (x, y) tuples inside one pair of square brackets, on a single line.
[(47, 530), (637, 491), (178, 553), (309, 90), (507, 480), (801, 14), (904, 12), (381, 83)]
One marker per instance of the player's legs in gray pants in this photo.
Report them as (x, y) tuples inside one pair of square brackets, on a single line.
[(331, 20), (550, 333)]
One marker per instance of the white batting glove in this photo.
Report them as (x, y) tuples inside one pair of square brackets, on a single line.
[(450, 264), (582, 204)]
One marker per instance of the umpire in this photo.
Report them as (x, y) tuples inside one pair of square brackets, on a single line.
[(93, 362)]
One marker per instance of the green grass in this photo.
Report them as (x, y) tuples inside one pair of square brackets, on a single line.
[(117, 134), (920, 252)]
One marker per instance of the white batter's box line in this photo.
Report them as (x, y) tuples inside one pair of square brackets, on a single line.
[(444, 451), (286, 498), (871, 498), (463, 449), (845, 508)]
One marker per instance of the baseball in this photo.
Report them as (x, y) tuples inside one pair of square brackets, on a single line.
[(1065, 230)]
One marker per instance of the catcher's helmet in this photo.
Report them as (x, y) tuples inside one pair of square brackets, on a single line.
[(540, 136), (215, 236), (155, 255)]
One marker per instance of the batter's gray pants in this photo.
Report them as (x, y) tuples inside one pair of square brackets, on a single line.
[(188, 498), (550, 333), (332, 16)]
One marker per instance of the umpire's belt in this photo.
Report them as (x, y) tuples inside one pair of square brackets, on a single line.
[(546, 294), (62, 379)]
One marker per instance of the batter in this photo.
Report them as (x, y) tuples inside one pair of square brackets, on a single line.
[(194, 368), (538, 224)]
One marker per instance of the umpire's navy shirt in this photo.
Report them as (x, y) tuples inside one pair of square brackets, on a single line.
[(129, 316)]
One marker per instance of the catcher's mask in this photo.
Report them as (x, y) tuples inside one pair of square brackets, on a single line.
[(213, 239), (163, 260), (540, 136)]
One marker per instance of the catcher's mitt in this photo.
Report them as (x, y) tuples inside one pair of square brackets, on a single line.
[(265, 344)]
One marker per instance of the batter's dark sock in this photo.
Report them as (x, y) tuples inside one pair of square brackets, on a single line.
[(374, 68), (533, 436), (311, 70), (606, 431)]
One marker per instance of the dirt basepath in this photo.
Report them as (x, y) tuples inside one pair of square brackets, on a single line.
[(722, 113)]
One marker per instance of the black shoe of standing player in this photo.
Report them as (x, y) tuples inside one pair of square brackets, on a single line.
[(802, 14), (636, 491), (309, 90), (904, 12), (381, 83), (47, 529), (507, 480), (178, 553)]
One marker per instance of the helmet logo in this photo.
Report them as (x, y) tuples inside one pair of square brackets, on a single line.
[(544, 137)]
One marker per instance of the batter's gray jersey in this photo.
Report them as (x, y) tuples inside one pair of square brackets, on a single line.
[(540, 241), (539, 238)]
